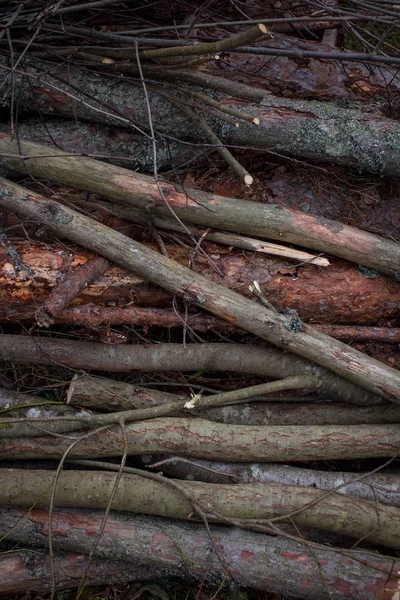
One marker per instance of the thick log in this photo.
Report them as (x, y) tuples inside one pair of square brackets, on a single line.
[(141, 191), (272, 564), (376, 487), (310, 130), (216, 441), (353, 298), (23, 572), (336, 513)]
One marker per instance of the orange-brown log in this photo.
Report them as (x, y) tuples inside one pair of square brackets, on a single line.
[(340, 293)]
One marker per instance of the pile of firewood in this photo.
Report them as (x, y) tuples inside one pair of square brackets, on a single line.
[(200, 298)]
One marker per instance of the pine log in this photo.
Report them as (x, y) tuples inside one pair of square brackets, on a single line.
[(339, 293), (272, 564), (216, 441), (141, 191)]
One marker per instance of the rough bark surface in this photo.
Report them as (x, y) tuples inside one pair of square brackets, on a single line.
[(141, 191), (273, 564), (351, 516), (311, 130), (205, 439), (340, 293), (267, 362), (283, 331)]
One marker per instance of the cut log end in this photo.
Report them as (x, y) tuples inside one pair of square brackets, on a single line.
[(248, 180)]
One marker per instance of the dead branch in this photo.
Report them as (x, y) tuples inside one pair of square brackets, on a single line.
[(141, 191), (285, 331), (174, 357)]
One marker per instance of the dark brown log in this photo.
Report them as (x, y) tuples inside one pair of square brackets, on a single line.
[(337, 513), (267, 563), (23, 572), (216, 441), (141, 191), (339, 293)]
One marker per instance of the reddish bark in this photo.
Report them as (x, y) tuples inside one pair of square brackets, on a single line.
[(70, 288), (268, 563), (339, 293), (30, 571)]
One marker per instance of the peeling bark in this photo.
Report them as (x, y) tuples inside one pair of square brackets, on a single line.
[(340, 293), (141, 191)]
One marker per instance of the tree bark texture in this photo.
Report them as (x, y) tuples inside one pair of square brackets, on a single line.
[(307, 129), (205, 439), (141, 191), (376, 488), (340, 293), (175, 357), (27, 571), (104, 394), (268, 563), (337, 513), (265, 323)]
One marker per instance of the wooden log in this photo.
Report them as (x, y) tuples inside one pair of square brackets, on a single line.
[(268, 563), (377, 487), (339, 514), (266, 362), (339, 293), (29, 571), (307, 129), (105, 394), (205, 439), (141, 191), (284, 331)]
